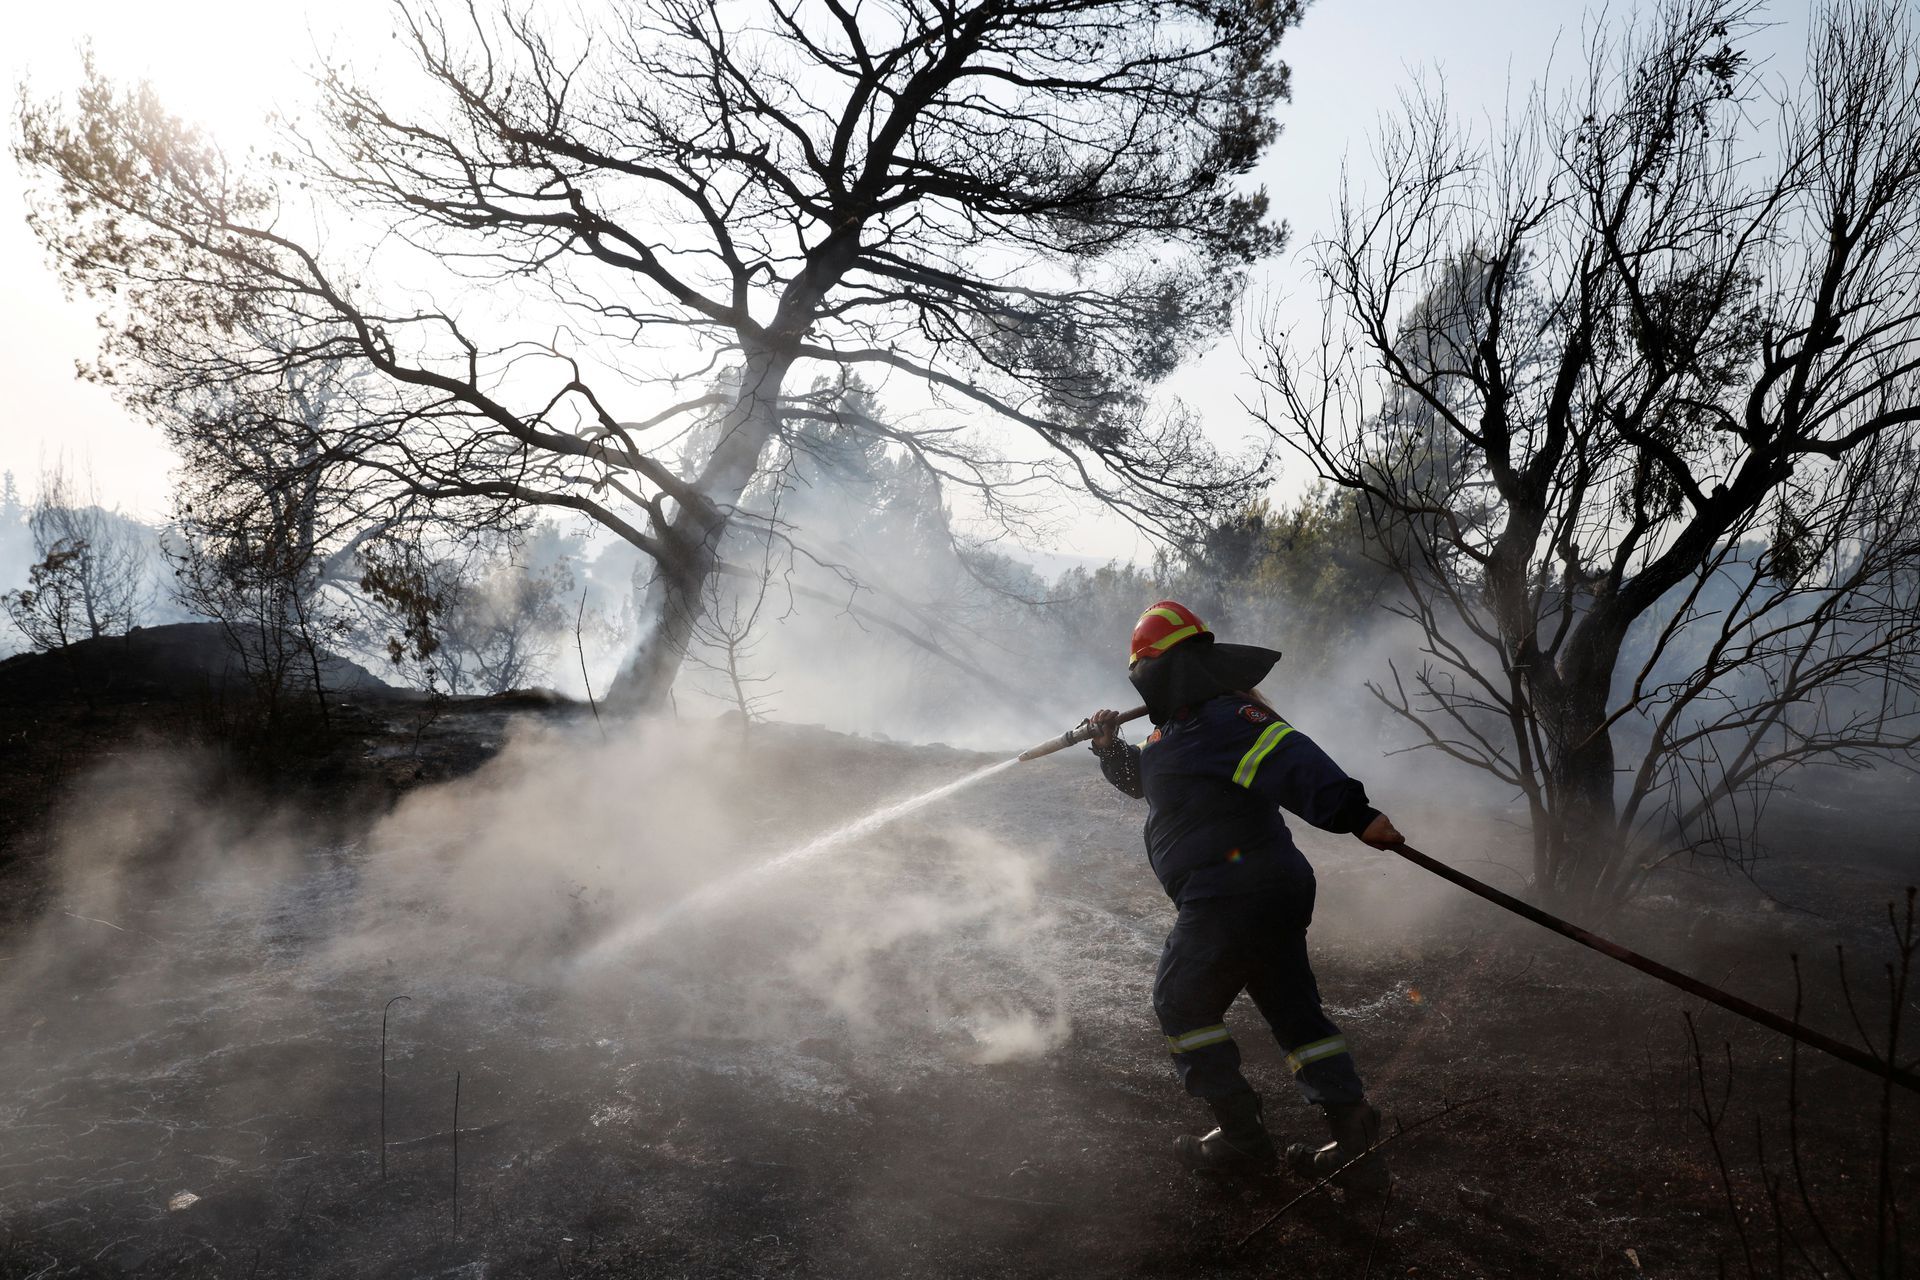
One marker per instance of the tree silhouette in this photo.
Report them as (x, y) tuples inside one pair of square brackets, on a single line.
[(1631, 405), (1022, 214)]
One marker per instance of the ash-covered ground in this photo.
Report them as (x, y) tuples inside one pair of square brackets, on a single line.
[(925, 1053)]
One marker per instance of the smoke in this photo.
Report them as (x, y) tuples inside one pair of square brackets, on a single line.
[(202, 1004), (199, 1009), (926, 941)]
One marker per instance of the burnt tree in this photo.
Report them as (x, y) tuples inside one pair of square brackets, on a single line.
[(523, 251), (91, 575), (1627, 394)]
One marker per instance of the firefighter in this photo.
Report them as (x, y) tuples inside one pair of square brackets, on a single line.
[(1217, 768)]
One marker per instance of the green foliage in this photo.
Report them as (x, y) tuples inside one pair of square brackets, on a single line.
[(1305, 577), (1300, 579)]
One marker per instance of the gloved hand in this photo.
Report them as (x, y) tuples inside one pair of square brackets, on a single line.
[(1106, 729), (1381, 833)]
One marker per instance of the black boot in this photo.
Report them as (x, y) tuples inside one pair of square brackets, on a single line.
[(1239, 1145), (1355, 1127)]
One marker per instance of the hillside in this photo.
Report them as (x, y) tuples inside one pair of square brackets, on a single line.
[(928, 1053), (179, 660)]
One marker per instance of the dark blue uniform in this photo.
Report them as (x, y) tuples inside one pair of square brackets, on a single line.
[(1215, 777)]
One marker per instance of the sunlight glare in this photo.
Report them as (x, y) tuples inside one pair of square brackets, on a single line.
[(222, 64)]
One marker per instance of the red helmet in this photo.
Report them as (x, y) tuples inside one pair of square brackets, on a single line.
[(1161, 627)]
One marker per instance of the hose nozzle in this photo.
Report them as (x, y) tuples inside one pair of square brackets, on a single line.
[(1079, 733)]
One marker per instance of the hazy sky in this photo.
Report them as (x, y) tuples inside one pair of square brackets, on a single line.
[(224, 63)]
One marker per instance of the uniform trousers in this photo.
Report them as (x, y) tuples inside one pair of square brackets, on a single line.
[(1254, 942)]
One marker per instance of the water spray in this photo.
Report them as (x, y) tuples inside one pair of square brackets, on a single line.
[(714, 892), (709, 895), (637, 931)]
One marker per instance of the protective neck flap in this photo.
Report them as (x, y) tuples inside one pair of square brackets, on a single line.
[(1197, 669)]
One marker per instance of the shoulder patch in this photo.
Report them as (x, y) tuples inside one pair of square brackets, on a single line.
[(1256, 713), (1152, 738)]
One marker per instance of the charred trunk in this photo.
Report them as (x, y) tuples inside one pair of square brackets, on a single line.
[(1583, 837), (690, 544), (1583, 845), (671, 602)]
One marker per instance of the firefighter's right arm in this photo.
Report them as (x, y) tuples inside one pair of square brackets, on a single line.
[(1119, 759), (1304, 780), (1290, 769)]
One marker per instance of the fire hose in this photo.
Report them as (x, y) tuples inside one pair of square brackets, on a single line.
[(1885, 1068)]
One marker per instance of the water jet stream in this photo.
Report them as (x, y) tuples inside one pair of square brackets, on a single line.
[(637, 931)]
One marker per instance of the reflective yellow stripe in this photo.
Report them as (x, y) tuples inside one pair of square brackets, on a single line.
[(1190, 1040), (1266, 742), (1319, 1049), (1168, 614), (1160, 645)]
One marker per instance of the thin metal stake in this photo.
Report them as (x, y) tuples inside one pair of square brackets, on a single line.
[(383, 1082), (1400, 1130), (581, 649), (456, 1153)]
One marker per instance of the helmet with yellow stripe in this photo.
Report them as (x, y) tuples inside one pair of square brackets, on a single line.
[(1164, 625)]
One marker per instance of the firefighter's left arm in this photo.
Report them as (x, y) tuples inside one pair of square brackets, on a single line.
[(1119, 759), (1289, 768), (1120, 763)]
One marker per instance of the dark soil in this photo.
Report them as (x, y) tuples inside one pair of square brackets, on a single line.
[(804, 1084)]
